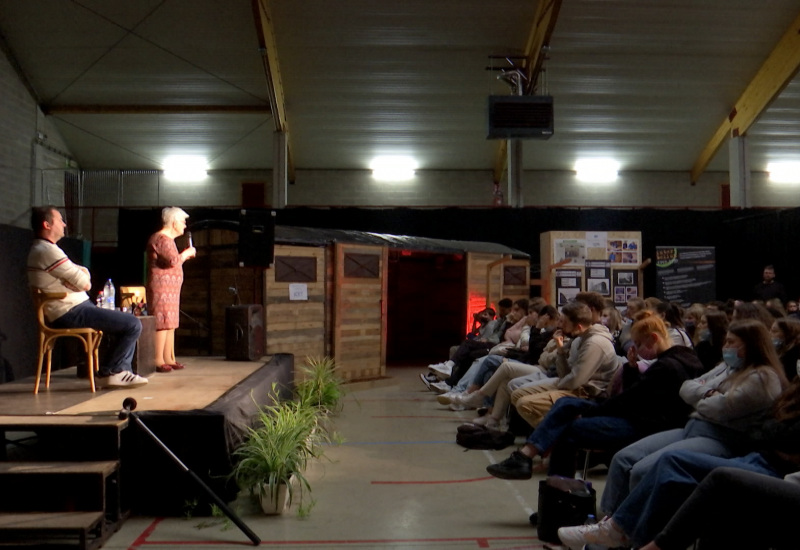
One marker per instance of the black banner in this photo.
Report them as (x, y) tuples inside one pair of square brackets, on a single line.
[(686, 274)]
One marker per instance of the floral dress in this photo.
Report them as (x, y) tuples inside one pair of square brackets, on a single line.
[(164, 281)]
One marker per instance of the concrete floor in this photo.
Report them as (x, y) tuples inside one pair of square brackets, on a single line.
[(398, 481)]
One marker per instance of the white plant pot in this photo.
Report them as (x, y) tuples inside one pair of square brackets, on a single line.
[(273, 507)]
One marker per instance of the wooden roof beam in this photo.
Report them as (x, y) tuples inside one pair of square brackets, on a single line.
[(269, 56), (544, 23), (772, 77)]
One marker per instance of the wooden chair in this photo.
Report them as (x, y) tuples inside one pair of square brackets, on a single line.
[(89, 337)]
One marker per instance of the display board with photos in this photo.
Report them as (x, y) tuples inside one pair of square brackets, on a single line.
[(606, 262)]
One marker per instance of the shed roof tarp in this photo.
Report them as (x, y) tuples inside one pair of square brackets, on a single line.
[(308, 236)]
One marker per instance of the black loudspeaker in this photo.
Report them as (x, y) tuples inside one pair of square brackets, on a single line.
[(244, 332), (256, 238), (520, 117)]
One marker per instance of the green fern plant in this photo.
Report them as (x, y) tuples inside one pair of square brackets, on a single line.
[(320, 386), (278, 449)]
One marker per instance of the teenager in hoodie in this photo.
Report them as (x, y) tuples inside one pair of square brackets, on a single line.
[(648, 403), (585, 373)]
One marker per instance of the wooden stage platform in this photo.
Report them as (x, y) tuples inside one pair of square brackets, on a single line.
[(201, 383)]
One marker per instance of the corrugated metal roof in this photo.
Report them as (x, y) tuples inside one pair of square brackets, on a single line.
[(308, 236)]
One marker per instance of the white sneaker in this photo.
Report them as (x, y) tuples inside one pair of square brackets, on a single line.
[(125, 379), (442, 369), (605, 533), (440, 387), (469, 400), (444, 399)]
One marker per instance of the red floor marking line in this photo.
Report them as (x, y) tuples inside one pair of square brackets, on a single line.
[(483, 542), (449, 417), (142, 538), (430, 482)]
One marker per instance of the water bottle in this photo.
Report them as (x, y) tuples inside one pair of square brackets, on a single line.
[(109, 295)]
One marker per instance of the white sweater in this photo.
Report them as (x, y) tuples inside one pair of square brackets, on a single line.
[(50, 270)]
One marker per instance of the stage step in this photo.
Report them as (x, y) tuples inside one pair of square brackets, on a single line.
[(84, 529), (60, 479)]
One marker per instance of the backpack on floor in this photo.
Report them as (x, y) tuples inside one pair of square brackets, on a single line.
[(563, 502), (473, 436)]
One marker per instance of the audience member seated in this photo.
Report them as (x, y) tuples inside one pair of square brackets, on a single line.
[(470, 349), (496, 386), (648, 403), (673, 317), (612, 320), (51, 271), (752, 310), (710, 333), (729, 402), (769, 504), (691, 318), (654, 501), (633, 306), (585, 374), (786, 338)]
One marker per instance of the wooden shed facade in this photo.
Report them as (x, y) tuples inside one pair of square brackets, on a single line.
[(328, 292)]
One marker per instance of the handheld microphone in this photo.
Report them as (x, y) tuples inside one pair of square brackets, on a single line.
[(189, 236)]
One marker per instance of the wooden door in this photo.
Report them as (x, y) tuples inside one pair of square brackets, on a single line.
[(359, 310)]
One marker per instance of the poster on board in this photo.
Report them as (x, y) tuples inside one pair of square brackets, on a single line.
[(625, 285), (568, 283), (598, 277), (686, 274), (623, 251)]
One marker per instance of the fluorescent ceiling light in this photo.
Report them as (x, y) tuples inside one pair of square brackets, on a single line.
[(185, 168), (784, 172), (393, 168), (597, 170)]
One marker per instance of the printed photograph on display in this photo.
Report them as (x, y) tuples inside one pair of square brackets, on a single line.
[(600, 286), (570, 249), (625, 278), (623, 251), (631, 292), (566, 295)]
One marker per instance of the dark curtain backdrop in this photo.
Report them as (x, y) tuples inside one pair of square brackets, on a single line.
[(746, 240)]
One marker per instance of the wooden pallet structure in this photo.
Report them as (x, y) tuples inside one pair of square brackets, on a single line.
[(61, 480)]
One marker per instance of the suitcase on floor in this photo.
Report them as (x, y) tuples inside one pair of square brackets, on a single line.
[(563, 502)]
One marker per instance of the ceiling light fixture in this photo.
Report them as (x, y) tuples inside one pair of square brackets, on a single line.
[(185, 168), (393, 168), (784, 172), (597, 170)]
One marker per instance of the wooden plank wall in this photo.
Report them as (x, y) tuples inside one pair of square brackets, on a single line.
[(205, 293), (359, 343), (292, 326)]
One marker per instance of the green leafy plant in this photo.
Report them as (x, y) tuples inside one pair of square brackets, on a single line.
[(278, 448), (320, 386)]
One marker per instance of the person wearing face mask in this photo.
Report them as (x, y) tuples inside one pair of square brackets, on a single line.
[(730, 402), (648, 403), (710, 336), (786, 339)]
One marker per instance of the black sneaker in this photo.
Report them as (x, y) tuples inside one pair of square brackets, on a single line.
[(517, 466)]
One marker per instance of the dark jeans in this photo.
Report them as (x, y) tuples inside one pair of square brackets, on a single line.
[(564, 434), (767, 506), (123, 326)]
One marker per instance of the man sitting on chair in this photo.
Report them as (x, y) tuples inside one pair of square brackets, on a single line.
[(50, 271)]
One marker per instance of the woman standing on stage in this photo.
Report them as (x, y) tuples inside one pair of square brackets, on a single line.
[(164, 281)]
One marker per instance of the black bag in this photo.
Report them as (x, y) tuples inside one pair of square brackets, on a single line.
[(563, 502), (473, 436)]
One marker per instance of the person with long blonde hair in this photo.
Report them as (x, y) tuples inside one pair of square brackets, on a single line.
[(649, 403), (729, 401)]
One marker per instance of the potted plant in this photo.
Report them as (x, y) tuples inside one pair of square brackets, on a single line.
[(320, 386), (272, 460)]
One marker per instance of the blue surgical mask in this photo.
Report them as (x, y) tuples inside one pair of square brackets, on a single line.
[(705, 334), (777, 342), (732, 359)]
